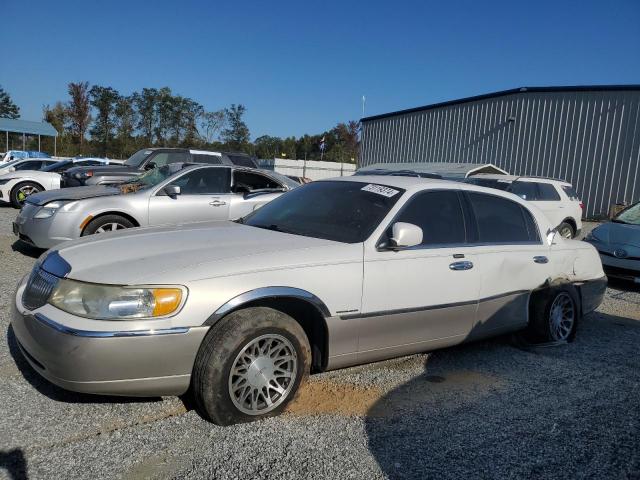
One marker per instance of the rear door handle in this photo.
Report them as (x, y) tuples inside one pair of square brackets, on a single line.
[(217, 203), (464, 265), (540, 259)]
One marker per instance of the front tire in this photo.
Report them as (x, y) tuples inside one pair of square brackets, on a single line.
[(554, 315), (250, 366), (107, 223), (21, 191)]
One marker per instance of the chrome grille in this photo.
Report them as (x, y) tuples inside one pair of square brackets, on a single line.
[(38, 289)]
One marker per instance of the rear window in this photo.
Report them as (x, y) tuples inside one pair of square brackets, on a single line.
[(502, 221), (547, 193), (571, 193)]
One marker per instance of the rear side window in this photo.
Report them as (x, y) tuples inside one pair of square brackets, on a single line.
[(253, 181), (242, 161), (502, 221), (202, 158), (571, 193), (525, 190), (438, 214), (547, 193)]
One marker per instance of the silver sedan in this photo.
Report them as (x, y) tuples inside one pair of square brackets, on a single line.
[(173, 194)]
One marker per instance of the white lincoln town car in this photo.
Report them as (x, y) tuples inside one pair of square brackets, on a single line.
[(332, 274)]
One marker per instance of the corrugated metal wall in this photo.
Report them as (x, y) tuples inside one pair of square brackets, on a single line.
[(590, 138)]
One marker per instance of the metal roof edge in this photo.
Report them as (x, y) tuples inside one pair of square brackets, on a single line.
[(501, 93)]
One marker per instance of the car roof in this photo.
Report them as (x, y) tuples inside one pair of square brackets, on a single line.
[(406, 183), (513, 178)]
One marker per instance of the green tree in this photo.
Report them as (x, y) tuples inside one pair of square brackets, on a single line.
[(211, 124), (145, 103), (268, 147), (104, 100), (125, 125), (236, 135), (8, 109), (79, 112)]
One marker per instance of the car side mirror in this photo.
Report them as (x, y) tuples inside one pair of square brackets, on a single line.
[(405, 235), (172, 190), (150, 166)]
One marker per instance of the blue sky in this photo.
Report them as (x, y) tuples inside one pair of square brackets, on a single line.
[(301, 67)]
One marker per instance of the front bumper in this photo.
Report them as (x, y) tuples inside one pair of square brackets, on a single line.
[(46, 232), (133, 363), (622, 268)]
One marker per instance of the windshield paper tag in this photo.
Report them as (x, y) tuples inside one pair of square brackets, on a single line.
[(380, 190)]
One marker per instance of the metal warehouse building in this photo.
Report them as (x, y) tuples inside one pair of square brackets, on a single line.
[(589, 136)]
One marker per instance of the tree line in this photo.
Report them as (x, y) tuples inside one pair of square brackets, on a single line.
[(99, 120)]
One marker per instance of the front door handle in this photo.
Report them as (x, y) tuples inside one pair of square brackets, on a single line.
[(465, 265), (217, 203), (540, 259)]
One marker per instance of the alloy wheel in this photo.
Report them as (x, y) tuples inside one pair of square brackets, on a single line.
[(562, 317), (263, 374), (110, 227), (25, 191), (566, 232)]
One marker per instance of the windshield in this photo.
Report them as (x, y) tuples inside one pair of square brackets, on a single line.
[(58, 166), (137, 158), (630, 215), (151, 178), (333, 210)]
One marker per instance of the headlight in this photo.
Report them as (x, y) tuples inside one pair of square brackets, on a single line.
[(50, 208), (80, 175), (112, 302)]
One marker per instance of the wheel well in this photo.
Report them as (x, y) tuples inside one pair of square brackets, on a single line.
[(571, 222), (310, 319), (124, 215)]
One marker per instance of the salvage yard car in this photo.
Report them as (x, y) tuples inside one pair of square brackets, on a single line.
[(172, 194), (618, 243), (332, 274), (16, 186), (148, 159), (556, 198)]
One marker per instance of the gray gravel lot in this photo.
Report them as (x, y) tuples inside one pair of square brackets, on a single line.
[(489, 409)]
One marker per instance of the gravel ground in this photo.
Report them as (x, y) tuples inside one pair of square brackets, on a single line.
[(489, 410)]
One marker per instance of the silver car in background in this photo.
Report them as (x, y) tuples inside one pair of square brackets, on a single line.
[(172, 194)]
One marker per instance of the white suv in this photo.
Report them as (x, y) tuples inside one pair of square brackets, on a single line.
[(556, 198)]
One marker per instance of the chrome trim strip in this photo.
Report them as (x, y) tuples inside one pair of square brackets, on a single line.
[(105, 334), (267, 292), (430, 307)]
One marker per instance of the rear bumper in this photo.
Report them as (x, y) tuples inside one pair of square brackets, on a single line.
[(592, 293), (139, 363)]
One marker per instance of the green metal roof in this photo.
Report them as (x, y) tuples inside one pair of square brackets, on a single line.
[(26, 127)]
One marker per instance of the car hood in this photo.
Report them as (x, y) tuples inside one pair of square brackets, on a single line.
[(104, 169), (74, 193), (195, 251), (618, 234)]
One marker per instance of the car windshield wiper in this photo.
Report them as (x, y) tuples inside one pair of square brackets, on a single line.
[(275, 228)]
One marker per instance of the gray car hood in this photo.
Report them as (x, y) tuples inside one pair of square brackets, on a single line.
[(74, 193), (184, 253)]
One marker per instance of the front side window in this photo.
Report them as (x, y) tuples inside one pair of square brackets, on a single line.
[(547, 193), (165, 158), (59, 166), (438, 214), (525, 190), (204, 181), (342, 211), (502, 221), (30, 165)]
